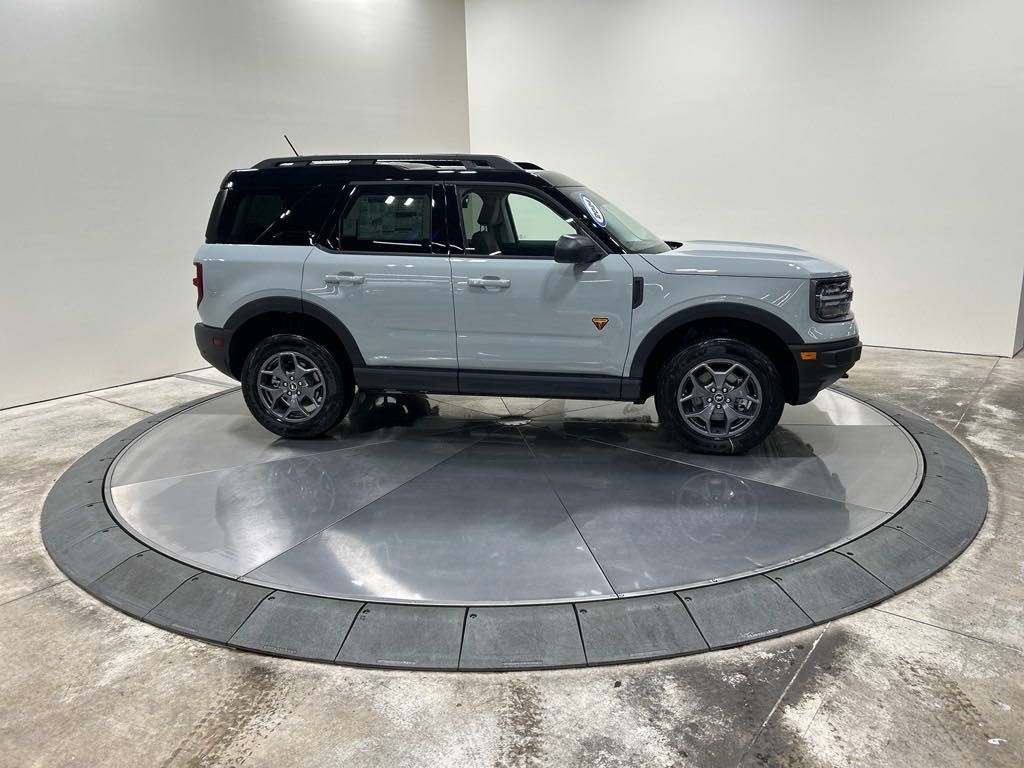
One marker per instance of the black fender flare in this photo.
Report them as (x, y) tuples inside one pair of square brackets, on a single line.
[(710, 311), (296, 306)]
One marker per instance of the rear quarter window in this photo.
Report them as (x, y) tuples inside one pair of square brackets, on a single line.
[(269, 216)]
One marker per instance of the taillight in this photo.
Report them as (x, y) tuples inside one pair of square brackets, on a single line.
[(197, 281)]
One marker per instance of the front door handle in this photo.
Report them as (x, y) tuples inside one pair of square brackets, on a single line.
[(488, 282), (344, 278)]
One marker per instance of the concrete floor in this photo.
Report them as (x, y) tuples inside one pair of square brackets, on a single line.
[(933, 677)]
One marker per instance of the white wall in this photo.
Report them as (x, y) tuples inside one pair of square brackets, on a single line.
[(120, 118), (885, 134)]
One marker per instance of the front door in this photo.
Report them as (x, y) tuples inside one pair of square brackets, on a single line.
[(383, 270), (518, 310)]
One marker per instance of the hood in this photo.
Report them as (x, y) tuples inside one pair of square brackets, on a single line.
[(723, 257)]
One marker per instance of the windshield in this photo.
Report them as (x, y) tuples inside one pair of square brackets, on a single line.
[(630, 233)]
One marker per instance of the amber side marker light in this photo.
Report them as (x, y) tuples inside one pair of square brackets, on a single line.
[(808, 355)]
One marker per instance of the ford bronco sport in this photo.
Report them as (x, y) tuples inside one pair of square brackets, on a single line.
[(471, 274)]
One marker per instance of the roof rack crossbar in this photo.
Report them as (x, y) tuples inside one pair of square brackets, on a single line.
[(471, 162)]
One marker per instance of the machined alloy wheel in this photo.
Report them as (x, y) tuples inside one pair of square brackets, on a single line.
[(719, 394), (719, 397), (295, 387), (291, 386)]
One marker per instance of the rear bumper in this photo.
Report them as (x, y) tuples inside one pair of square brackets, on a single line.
[(214, 344), (820, 365)]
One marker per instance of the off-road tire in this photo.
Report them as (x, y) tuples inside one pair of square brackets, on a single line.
[(334, 376), (719, 348)]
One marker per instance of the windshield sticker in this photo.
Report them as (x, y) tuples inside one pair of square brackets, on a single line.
[(593, 210)]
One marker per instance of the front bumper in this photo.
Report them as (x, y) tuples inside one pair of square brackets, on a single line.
[(214, 344), (820, 365)]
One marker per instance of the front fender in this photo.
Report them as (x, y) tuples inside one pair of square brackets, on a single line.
[(718, 309)]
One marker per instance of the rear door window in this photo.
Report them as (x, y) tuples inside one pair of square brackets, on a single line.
[(388, 218)]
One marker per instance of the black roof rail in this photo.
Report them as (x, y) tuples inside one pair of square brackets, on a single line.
[(528, 166), (470, 162)]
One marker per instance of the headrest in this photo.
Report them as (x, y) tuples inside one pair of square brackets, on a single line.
[(491, 211)]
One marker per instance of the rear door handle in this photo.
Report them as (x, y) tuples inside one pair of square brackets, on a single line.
[(489, 282), (344, 278)]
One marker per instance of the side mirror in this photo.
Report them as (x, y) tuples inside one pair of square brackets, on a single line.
[(576, 249)]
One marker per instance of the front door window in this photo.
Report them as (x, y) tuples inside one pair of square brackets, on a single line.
[(506, 223)]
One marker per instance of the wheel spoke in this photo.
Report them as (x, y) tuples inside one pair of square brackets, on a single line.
[(273, 392), (697, 390), (721, 376), (698, 393), (273, 374), (703, 415), (731, 416), (748, 390)]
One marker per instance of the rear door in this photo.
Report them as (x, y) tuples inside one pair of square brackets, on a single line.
[(517, 309), (382, 268)]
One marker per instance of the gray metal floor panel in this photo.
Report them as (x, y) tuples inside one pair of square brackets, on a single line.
[(64, 527), (866, 466), (232, 438), (406, 636), (522, 637), (940, 448), (958, 490), (86, 560), (232, 521), (829, 585), (737, 612), (493, 530), (654, 524), (141, 582), (76, 492), (301, 626), (943, 530), (635, 628), (895, 558), (208, 606)]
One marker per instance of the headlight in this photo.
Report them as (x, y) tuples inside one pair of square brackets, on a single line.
[(832, 300)]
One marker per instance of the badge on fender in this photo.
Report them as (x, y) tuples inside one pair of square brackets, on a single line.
[(599, 322)]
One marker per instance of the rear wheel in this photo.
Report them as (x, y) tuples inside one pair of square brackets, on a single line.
[(719, 395), (294, 387)]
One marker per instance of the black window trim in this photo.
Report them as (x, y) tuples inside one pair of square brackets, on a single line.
[(439, 219), (455, 218)]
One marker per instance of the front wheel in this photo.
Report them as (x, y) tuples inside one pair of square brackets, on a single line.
[(294, 387), (719, 395)]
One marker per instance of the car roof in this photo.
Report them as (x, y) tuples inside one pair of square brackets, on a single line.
[(305, 170)]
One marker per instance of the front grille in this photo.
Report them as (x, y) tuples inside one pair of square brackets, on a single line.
[(832, 300)]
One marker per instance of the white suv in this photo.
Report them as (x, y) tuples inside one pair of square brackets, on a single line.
[(471, 274)]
